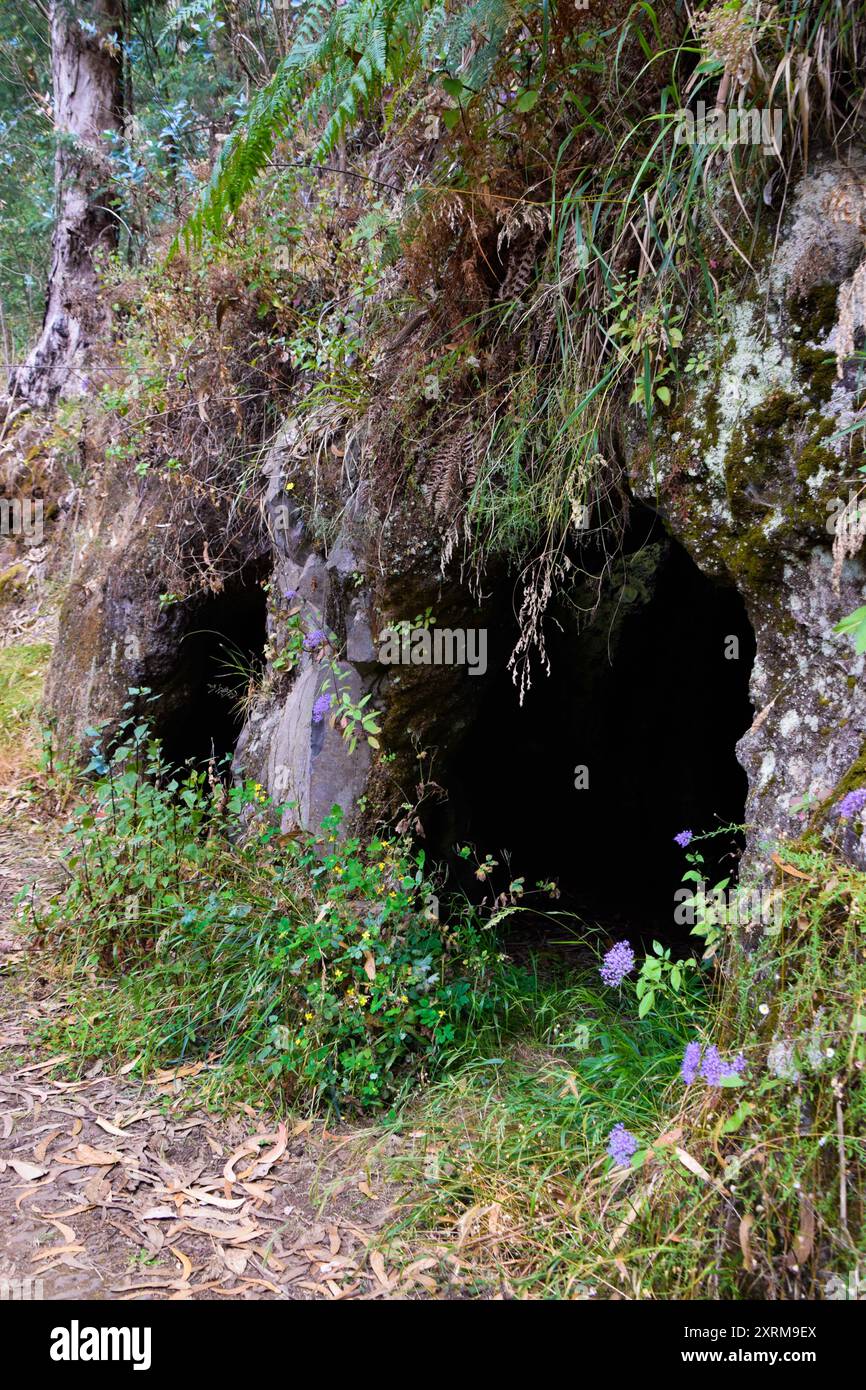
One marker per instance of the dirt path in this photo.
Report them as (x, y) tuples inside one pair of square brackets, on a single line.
[(111, 1189)]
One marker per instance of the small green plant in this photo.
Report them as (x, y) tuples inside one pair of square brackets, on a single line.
[(357, 720), (292, 649), (310, 960), (660, 976), (709, 911)]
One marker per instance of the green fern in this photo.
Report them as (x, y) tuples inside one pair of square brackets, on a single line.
[(338, 65)]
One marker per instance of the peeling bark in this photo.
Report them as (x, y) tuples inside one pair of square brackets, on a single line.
[(87, 69)]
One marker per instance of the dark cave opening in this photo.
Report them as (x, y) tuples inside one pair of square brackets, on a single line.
[(219, 650), (629, 740)]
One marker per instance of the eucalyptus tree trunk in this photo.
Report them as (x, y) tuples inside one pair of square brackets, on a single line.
[(87, 75)]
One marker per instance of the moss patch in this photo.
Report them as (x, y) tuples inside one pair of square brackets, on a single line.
[(816, 372), (814, 313)]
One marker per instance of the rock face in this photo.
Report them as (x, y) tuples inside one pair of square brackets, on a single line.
[(117, 630), (755, 481), (287, 744), (372, 576), (752, 477)]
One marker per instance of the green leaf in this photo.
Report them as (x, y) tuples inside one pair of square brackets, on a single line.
[(663, 394), (453, 86), (646, 1004), (526, 100), (451, 116), (742, 1112), (854, 625)]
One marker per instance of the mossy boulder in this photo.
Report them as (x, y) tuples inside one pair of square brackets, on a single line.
[(751, 478)]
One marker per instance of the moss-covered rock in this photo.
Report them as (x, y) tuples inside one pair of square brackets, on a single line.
[(750, 480)]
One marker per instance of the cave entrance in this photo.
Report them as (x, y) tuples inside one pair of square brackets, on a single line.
[(629, 740), (218, 651)]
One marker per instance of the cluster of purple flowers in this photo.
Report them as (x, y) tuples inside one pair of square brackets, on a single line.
[(622, 1145), (709, 1063), (321, 707), (684, 838), (852, 804), (618, 963), (314, 639)]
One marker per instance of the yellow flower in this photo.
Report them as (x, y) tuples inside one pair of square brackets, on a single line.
[(309, 1017)]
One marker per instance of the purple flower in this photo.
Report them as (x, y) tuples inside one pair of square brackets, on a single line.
[(622, 1145), (852, 804), (691, 1062), (314, 639), (713, 1067), (684, 838), (618, 963), (321, 707)]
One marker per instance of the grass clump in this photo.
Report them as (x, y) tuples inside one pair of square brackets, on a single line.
[(22, 671)]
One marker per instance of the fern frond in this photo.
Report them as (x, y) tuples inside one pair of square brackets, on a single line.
[(338, 64)]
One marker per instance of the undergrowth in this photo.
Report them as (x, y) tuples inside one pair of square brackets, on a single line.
[(194, 928), (751, 1189), (556, 1136)]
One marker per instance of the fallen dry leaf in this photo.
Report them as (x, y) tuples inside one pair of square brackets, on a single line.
[(694, 1167), (377, 1264), (85, 1156), (746, 1224), (235, 1260), (185, 1263), (28, 1171), (789, 869), (109, 1127), (67, 1249)]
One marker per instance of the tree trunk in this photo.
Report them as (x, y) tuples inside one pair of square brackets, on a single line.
[(87, 74)]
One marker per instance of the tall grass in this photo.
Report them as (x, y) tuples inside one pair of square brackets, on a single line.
[(752, 1190)]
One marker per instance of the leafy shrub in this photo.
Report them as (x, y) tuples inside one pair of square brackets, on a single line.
[(314, 960)]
